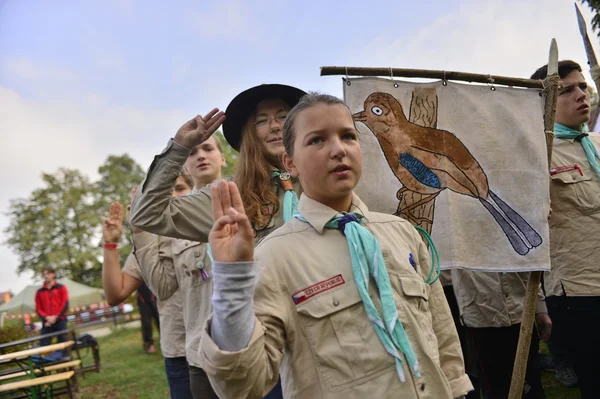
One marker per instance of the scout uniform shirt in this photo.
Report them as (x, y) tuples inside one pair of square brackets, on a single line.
[(575, 222), (490, 299), (311, 324), (171, 267), (172, 329), (188, 217)]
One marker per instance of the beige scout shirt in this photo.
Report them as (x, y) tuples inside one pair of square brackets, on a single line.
[(488, 299), (325, 344), (188, 217), (575, 222), (171, 268), (172, 329)]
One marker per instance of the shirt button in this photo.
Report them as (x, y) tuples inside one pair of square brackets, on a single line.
[(422, 386), (574, 177), (336, 302)]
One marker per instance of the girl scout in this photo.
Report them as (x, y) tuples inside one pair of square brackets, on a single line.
[(343, 302), (253, 125)]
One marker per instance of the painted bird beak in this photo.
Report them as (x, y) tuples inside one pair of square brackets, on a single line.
[(360, 116)]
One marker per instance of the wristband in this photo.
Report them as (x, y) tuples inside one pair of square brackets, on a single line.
[(110, 246)]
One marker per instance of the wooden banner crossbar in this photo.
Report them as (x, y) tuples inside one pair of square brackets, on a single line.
[(431, 74)]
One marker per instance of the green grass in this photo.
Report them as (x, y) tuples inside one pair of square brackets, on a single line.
[(126, 370), (553, 389)]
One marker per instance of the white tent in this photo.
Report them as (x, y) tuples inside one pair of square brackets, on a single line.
[(79, 295)]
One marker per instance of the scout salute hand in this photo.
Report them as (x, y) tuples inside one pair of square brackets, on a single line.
[(112, 229), (198, 130), (231, 237)]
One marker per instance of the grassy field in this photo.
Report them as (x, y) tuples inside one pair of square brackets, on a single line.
[(554, 390), (127, 371)]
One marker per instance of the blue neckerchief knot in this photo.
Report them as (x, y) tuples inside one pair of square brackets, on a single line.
[(591, 152), (346, 218), (367, 262), (290, 199)]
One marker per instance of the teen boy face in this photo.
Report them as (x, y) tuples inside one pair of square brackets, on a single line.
[(573, 102)]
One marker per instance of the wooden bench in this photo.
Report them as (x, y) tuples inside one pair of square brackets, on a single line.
[(35, 382), (53, 367)]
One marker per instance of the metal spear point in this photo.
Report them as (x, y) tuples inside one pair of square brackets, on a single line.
[(553, 58), (589, 50)]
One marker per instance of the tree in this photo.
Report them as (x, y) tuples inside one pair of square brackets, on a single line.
[(58, 225), (231, 155), (595, 6), (118, 175)]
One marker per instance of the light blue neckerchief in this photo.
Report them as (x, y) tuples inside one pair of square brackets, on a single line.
[(564, 132), (367, 260), (290, 199)]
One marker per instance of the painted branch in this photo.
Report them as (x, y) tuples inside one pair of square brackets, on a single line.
[(533, 283), (430, 74), (417, 208)]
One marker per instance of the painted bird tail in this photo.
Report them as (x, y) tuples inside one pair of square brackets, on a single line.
[(520, 234)]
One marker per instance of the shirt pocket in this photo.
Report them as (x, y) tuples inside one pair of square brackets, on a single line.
[(342, 340), (412, 300), (189, 255), (575, 192)]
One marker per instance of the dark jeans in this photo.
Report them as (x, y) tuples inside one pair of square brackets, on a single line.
[(202, 389), (178, 376), (496, 348), (466, 343), (575, 324), (148, 311), (276, 392), (60, 325)]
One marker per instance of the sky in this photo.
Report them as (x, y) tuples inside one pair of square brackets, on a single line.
[(82, 80)]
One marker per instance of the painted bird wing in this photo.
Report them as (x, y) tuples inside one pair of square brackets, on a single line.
[(448, 153)]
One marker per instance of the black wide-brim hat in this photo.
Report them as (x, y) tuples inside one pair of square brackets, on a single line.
[(244, 104)]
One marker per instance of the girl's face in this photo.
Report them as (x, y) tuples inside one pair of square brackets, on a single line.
[(205, 161), (181, 188), (327, 157), (268, 125)]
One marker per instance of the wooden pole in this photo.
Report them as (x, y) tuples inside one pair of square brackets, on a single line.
[(431, 74), (533, 283)]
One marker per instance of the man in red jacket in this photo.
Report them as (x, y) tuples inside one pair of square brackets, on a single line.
[(51, 304)]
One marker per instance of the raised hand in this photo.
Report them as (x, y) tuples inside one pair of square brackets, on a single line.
[(112, 229), (199, 129), (231, 237)]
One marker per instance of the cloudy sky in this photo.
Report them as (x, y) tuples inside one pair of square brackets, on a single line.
[(82, 80)]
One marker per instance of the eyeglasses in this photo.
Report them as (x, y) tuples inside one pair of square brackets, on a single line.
[(264, 121)]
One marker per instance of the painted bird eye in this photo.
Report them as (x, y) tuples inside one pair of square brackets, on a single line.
[(377, 111)]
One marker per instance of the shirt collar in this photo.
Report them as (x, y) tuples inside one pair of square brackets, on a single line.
[(318, 214)]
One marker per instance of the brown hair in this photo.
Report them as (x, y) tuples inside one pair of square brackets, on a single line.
[(48, 269), (309, 100), (565, 67), (253, 177), (185, 173)]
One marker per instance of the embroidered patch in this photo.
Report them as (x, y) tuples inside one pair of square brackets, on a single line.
[(411, 259), (318, 288), (566, 168)]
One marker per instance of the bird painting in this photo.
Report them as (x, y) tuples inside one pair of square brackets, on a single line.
[(428, 160)]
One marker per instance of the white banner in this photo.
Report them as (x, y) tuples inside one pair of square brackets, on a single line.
[(464, 161)]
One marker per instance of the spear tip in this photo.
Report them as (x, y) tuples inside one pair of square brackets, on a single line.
[(553, 58)]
